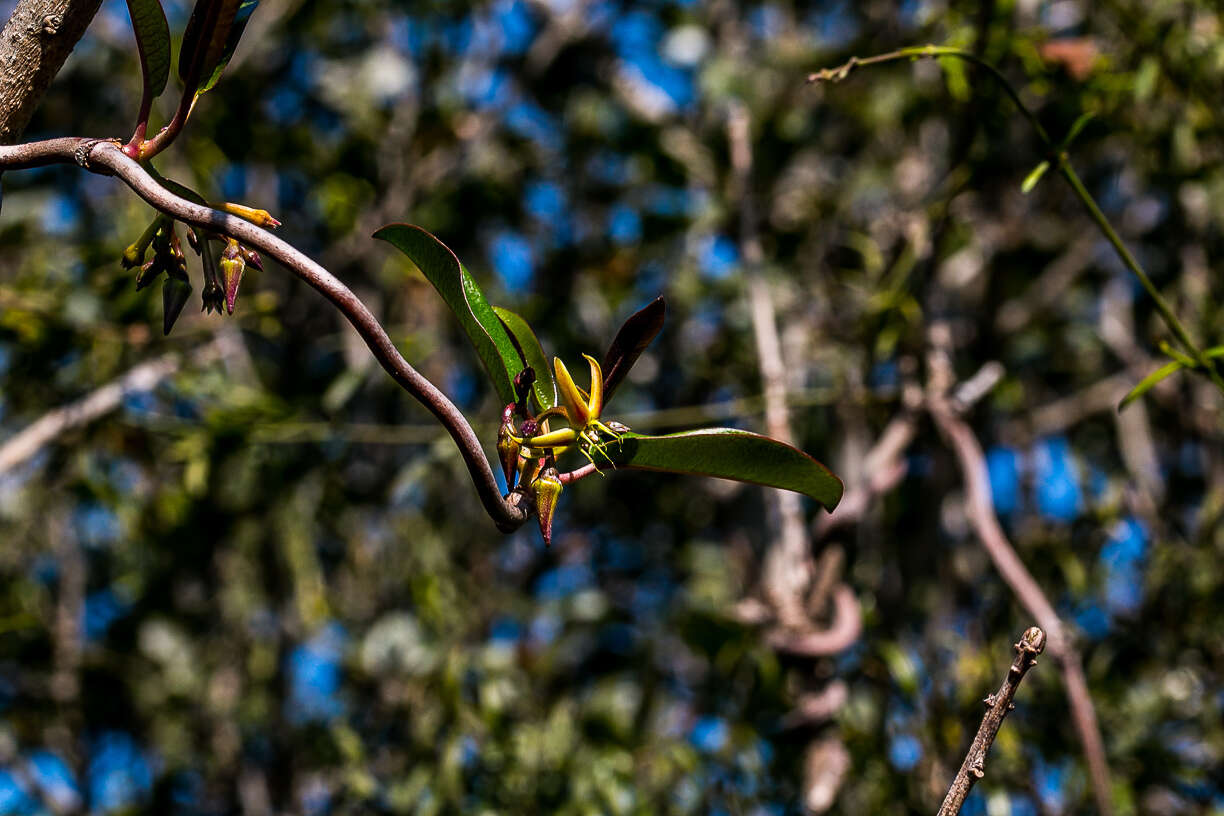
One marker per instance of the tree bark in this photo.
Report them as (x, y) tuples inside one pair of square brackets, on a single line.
[(37, 39)]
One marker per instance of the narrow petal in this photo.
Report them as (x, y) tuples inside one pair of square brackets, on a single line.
[(575, 405), (595, 405)]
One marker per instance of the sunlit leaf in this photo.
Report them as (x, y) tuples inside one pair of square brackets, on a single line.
[(1147, 383), (730, 454), (632, 339), (153, 42), (544, 388), (457, 287)]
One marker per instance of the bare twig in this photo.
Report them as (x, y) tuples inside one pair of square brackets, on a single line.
[(1031, 644), (1058, 158), (979, 508), (107, 158)]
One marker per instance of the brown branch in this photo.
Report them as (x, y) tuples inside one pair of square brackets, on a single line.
[(38, 37), (31, 439), (979, 508), (107, 158), (787, 570), (1031, 644), (842, 632)]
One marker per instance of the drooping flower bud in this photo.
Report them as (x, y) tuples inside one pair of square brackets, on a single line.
[(547, 487), (149, 272), (192, 240), (252, 258), (175, 292), (233, 264), (134, 255), (213, 295), (507, 448)]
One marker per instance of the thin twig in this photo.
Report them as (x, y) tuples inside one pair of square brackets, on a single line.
[(1059, 158), (107, 158), (1031, 644)]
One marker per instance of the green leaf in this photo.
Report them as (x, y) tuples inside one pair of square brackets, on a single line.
[(457, 287), (212, 34), (1184, 359), (1076, 127), (729, 454), (1147, 383), (544, 388), (153, 42), (1214, 352), (1034, 176), (632, 339)]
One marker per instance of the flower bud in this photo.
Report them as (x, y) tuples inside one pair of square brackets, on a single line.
[(149, 272), (175, 292), (508, 453), (233, 264), (547, 487)]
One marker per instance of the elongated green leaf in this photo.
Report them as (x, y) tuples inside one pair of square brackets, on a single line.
[(544, 388), (632, 339), (457, 287), (153, 42), (1034, 176), (212, 34), (1076, 128), (730, 454), (1214, 352), (1147, 383)]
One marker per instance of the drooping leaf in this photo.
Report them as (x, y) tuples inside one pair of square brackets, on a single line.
[(1147, 383), (212, 34), (1034, 176), (632, 339), (544, 388), (153, 43), (730, 454), (457, 287)]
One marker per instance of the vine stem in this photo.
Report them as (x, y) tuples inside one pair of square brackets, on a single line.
[(1058, 156), (106, 157)]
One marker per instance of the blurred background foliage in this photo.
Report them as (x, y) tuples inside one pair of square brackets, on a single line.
[(263, 583)]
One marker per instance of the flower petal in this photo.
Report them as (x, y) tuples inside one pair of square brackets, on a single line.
[(575, 405), (595, 405)]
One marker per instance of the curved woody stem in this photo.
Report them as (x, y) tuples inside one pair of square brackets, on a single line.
[(108, 158)]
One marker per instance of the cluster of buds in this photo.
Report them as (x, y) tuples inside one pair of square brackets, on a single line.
[(221, 275), (528, 452), (168, 259)]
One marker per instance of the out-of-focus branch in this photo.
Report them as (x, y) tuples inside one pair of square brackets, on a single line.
[(979, 508), (99, 402), (1031, 644), (107, 158), (842, 632), (787, 568)]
